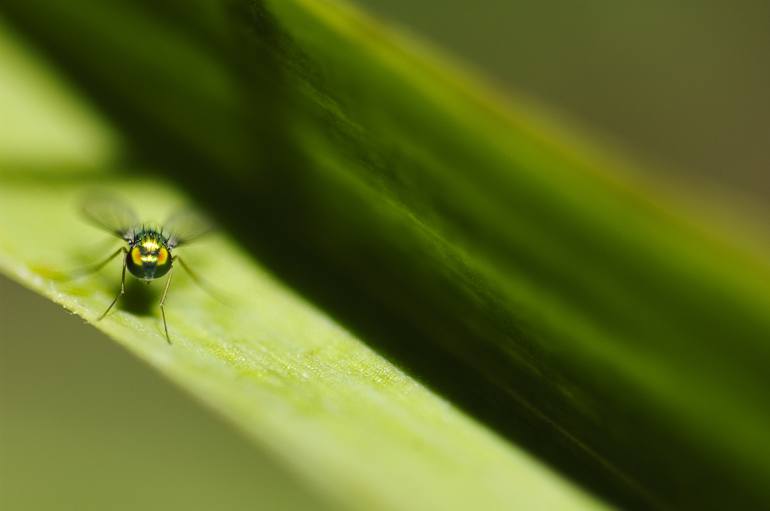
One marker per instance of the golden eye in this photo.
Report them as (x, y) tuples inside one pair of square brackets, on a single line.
[(162, 256), (136, 256)]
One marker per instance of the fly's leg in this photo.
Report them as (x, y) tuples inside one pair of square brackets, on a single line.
[(122, 282), (96, 267), (200, 282), (163, 303)]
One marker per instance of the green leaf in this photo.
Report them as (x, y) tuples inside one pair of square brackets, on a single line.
[(347, 421), (520, 272)]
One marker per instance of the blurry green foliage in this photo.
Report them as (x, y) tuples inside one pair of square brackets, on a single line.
[(515, 269), (346, 428), (679, 83)]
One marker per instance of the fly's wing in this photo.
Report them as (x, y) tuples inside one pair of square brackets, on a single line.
[(111, 214), (185, 226)]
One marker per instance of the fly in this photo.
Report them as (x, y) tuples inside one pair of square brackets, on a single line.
[(148, 253)]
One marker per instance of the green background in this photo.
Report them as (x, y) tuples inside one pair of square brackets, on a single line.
[(681, 86)]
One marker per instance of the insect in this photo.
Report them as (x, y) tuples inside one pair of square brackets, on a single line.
[(148, 254)]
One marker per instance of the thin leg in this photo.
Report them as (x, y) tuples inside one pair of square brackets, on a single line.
[(201, 283), (163, 303), (96, 267), (122, 289)]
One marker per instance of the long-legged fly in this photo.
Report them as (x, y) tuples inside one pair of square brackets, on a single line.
[(148, 251)]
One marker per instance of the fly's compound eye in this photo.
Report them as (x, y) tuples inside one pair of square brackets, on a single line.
[(136, 256), (162, 256)]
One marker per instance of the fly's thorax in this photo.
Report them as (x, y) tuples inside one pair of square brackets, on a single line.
[(149, 255)]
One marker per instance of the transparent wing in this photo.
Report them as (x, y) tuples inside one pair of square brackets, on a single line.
[(110, 213), (185, 226)]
